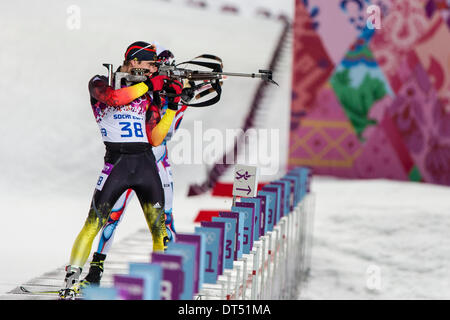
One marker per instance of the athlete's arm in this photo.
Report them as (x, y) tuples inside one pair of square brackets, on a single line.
[(99, 90), (157, 130), (156, 127), (179, 115)]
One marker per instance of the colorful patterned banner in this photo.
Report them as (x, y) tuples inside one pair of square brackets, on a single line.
[(384, 110), (312, 65)]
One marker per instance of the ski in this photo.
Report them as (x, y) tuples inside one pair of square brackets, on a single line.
[(70, 296), (26, 291)]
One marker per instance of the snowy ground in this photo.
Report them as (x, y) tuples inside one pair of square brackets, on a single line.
[(380, 239)]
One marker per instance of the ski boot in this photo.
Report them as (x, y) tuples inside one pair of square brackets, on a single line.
[(70, 290), (95, 271)]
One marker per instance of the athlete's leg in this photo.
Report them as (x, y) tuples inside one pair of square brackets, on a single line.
[(106, 238), (106, 194), (168, 199), (160, 153), (154, 215), (151, 197), (98, 214), (167, 188), (108, 230)]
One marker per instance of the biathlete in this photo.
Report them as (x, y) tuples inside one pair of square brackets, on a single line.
[(165, 173), (131, 124)]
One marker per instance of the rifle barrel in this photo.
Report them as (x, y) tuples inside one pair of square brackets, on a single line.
[(262, 75), (209, 75), (246, 75)]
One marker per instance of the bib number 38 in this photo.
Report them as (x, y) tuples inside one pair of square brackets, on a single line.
[(131, 129)]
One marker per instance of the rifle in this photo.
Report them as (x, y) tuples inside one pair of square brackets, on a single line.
[(209, 81), (173, 72)]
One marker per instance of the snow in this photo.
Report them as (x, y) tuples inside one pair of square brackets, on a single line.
[(379, 239)]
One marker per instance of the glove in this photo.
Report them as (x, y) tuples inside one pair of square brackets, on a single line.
[(174, 87), (156, 99), (156, 83)]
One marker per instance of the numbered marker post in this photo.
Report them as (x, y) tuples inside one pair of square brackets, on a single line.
[(257, 216), (152, 275), (100, 293), (187, 251), (172, 276), (285, 195), (271, 208), (281, 197), (212, 244), (294, 191), (248, 210), (298, 193), (304, 174), (230, 239), (239, 216), (277, 190), (264, 210), (195, 240), (129, 287), (249, 224), (221, 256)]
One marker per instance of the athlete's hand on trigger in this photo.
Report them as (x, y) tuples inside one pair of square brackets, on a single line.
[(156, 83), (174, 87)]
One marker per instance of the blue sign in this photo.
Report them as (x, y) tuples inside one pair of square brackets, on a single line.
[(304, 174), (221, 255), (264, 212), (187, 251), (100, 293), (257, 222), (201, 265), (212, 244), (277, 190), (271, 207), (152, 275), (285, 195), (173, 275), (230, 239), (295, 189), (248, 210), (239, 216), (195, 240)]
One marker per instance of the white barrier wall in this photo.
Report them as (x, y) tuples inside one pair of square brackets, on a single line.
[(277, 266)]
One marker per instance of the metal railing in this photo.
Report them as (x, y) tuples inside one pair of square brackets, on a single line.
[(277, 265)]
